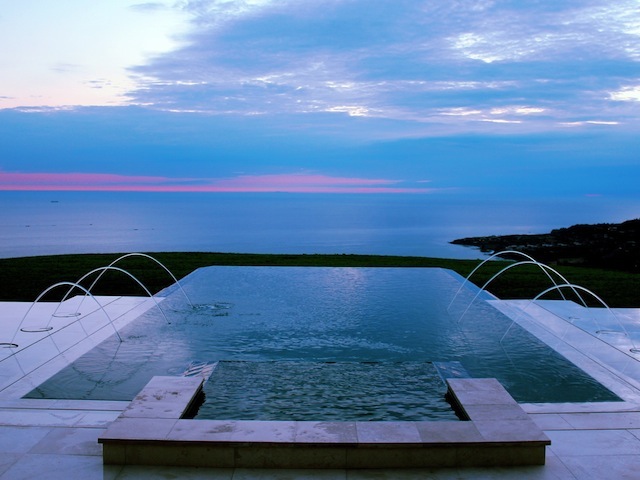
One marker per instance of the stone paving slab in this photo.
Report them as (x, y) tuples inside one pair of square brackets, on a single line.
[(162, 398), (151, 431)]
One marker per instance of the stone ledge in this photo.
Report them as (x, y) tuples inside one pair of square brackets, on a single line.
[(164, 397), (151, 432)]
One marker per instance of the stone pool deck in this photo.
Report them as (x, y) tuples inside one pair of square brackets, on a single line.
[(58, 439)]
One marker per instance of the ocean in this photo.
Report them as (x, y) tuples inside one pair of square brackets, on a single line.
[(44, 223)]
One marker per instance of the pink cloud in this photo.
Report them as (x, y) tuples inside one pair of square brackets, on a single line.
[(58, 181), (294, 183)]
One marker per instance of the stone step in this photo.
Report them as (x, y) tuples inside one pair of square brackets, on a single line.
[(151, 431)]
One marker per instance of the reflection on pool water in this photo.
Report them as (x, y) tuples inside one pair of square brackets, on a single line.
[(327, 391), (389, 316)]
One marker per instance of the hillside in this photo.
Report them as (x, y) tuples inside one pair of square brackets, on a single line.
[(605, 245)]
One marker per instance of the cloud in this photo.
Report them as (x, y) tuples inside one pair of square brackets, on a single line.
[(626, 94), (356, 89), (73, 181), (460, 112), (542, 32), (65, 68), (149, 7), (412, 63), (408, 62), (313, 183), (221, 12), (589, 122), (501, 120), (298, 183)]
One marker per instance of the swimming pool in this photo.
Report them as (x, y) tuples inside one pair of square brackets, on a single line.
[(309, 316)]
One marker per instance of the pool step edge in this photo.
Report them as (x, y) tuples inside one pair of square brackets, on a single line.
[(152, 431)]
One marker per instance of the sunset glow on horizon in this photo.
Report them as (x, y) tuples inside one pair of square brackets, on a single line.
[(293, 183)]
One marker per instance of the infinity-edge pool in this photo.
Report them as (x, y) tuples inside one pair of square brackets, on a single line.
[(395, 318)]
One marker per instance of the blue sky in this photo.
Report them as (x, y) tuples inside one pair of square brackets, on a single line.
[(465, 97)]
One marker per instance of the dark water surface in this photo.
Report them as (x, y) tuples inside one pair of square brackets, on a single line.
[(39, 223)]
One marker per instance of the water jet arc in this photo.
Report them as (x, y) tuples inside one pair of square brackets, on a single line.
[(144, 255), (545, 268), (504, 252), (102, 270), (72, 285)]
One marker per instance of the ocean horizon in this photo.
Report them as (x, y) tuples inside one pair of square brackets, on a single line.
[(47, 223)]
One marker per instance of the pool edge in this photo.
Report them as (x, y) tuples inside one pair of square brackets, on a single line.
[(151, 431)]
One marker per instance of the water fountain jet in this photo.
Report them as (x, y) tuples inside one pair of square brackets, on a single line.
[(503, 252), (144, 255), (102, 270), (545, 268), (47, 290)]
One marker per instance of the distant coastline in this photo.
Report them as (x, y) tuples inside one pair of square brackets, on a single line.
[(604, 245)]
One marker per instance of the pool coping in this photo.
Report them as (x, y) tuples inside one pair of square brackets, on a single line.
[(152, 430)]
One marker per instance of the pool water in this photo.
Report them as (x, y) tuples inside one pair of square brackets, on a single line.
[(325, 391), (388, 316)]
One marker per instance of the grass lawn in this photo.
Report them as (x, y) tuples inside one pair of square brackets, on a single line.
[(23, 279)]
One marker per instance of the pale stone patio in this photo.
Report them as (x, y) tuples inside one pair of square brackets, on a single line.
[(58, 439)]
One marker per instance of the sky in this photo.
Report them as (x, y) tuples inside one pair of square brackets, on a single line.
[(471, 98)]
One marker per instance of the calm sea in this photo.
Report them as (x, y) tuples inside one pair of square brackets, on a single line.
[(39, 223)]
